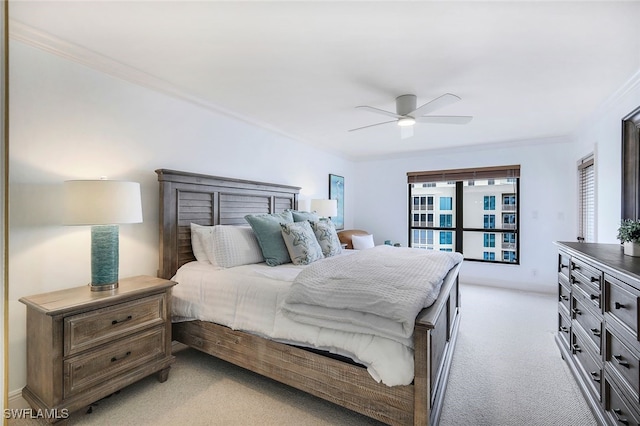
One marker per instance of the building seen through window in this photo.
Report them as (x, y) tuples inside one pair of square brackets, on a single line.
[(472, 211)]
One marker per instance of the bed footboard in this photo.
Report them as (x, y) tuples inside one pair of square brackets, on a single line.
[(345, 384)]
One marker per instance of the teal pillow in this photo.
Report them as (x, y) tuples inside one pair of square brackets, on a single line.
[(269, 234), (301, 243), (299, 216), (325, 232)]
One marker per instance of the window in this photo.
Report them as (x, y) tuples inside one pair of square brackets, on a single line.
[(489, 221), (446, 237), (446, 203), (489, 202), (489, 240), (509, 256), (586, 199), (477, 211), (508, 220)]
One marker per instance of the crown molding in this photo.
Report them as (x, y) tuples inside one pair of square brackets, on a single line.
[(26, 34)]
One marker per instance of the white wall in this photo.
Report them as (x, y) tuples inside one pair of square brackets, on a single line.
[(602, 134), (547, 203), (72, 122)]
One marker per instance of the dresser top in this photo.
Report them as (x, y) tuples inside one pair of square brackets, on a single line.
[(608, 255), (82, 298)]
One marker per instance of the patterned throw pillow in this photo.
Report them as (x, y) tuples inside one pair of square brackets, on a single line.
[(301, 243), (327, 237)]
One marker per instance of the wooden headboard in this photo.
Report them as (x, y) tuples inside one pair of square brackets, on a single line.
[(187, 198)]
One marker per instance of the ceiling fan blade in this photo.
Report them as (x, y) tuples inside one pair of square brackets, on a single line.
[(437, 103), (372, 125), (379, 111), (406, 132), (445, 119)]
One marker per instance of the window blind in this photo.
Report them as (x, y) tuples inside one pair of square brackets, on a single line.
[(586, 199), (454, 175)]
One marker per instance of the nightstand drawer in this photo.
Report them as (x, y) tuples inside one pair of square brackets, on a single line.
[(89, 369), (94, 328)]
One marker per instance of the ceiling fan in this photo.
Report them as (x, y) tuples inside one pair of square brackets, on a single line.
[(407, 114)]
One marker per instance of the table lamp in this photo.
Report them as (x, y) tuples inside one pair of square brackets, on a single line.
[(103, 204), (325, 208)]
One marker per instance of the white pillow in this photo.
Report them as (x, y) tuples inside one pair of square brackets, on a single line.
[(234, 246), (201, 243), (361, 242)]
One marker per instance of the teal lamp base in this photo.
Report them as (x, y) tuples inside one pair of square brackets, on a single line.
[(104, 257)]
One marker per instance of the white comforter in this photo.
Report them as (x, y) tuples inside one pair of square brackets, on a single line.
[(376, 291), (250, 298)]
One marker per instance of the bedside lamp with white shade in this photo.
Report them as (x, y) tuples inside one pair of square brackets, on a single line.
[(103, 204), (325, 208)]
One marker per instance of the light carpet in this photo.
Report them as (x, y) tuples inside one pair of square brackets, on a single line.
[(506, 370)]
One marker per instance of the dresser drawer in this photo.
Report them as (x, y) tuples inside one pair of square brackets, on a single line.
[(616, 408), (564, 292), (590, 322), (564, 329), (623, 361), (94, 328), (588, 280), (564, 263), (94, 367), (590, 369), (622, 304)]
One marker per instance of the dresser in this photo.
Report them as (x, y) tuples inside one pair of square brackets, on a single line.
[(83, 345), (598, 298)]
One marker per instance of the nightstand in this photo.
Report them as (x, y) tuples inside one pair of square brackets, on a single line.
[(83, 345)]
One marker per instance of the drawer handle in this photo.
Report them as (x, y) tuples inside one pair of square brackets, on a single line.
[(576, 311), (114, 322), (115, 359), (595, 279), (595, 376), (617, 412), (621, 361), (562, 266), (565, 329), (575, 348), (563, 297), (596, 332), (618, 305), (594, 296)]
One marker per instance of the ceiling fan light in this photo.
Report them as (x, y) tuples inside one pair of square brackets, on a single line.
[(406, 121)]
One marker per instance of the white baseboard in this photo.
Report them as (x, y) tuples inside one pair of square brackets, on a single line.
[(16, 401)]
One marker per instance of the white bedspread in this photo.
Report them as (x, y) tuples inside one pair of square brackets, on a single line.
[(377, 291), (250, 298)]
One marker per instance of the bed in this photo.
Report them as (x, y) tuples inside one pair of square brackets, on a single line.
[(187, 198)]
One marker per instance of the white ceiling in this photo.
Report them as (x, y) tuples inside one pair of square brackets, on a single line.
[(524, 70)]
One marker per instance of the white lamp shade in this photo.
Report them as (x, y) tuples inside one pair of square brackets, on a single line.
[(304, 204), (325, 208), (102, 202)]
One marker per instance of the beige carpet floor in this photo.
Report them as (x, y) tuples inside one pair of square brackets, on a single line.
[(506, 370)]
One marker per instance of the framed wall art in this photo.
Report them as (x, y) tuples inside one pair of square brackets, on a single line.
[(336, 192)]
